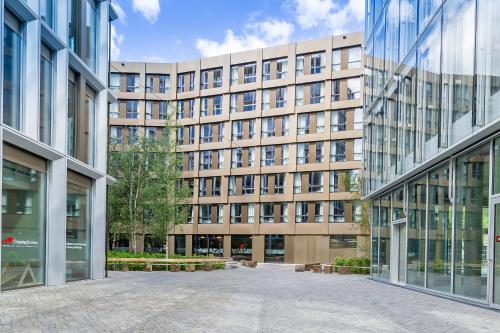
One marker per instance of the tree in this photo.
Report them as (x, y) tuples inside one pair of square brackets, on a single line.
[(149, 195), (353, 183)]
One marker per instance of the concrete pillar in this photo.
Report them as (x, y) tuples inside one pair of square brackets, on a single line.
[(227, 246)]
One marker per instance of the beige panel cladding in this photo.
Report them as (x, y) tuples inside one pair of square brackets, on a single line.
[(304, 241)]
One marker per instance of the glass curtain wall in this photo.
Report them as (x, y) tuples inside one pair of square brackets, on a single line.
[(417, 193), (46, 93), (23, 222), (385, 238), (12, 69), (78, 217), (375, 236)]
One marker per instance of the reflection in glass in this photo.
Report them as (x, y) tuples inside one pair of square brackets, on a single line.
[(458, 67), (375, 235), (180, 245), (496, 166), (385, 238), (12, 42), (47, 12), (398, 204), (439, 231), (416, 232), (408, 26), (77, 233), (208, 245), (274, 250), (496, 268), (488, 58), (23, 227), (45, 95), (392, 37), (426, 10), (91, 34), (241, 247), (471, 223)]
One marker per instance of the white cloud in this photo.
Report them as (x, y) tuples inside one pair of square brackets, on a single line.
[(150, 9), (255, 35), (116, 40), (328, 15), (119, 10)]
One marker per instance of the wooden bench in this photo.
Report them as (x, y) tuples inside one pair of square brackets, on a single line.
[(174, 265)]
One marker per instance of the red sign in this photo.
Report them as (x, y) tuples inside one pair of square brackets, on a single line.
[(497, 238)]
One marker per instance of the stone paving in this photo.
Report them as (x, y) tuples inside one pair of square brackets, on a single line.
[(269, 298)]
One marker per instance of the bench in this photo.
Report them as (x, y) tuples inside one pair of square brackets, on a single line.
[(173, 265)]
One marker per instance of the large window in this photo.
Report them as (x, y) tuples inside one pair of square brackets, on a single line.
[(241, 247), (274, 250), (83, 23), (12, 53), (471, 223), (78, 227), (46, 94), (416, 232), (205, 245), (47, 12), (385, 238), (23, 221)]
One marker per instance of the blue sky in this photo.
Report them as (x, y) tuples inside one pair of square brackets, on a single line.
[(177, 30)]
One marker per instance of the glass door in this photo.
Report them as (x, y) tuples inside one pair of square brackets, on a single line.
[(495, 255), (402, 252)]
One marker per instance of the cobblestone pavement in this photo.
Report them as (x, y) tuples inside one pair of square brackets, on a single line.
[(265, 299)]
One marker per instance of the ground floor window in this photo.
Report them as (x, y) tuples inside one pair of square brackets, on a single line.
[(180, 245), (78, 227), (241, 247), (23, 221), (274, 250), (208, 245)]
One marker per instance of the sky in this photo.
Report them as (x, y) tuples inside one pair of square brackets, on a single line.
[(179, 30)]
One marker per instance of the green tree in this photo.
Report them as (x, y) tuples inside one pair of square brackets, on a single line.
[(149, 195), (353, 184)]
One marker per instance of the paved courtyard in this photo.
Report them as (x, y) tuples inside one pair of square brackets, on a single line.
[(265, 299)]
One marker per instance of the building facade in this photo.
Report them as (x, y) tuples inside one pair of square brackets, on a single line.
[(432, 152), (55, 57), (267, 138)]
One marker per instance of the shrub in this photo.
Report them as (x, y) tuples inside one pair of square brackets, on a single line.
[(359, 265)]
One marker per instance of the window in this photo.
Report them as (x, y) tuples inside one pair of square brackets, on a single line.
[(116, 134), (206, 133), (301, 211), (266, 212), (131, 110), (299, 66), (303, 123), (336, 60), (190, 161), (284, 154), (281, 68), (114, 82), (237, 130), (203, 107), (318, 212), (216, 184), (205, 159), (337, 151), (281, 97), (353, 88), (297, 183), (236, 213), (248, 184), (163, 110), (279, 183), (336, 211), (268, 127), (12, 52), (358, 150), (46, 94), (353, 179), (232, 185), (220, 157), (334, 181), (233, 107), (249, 73), (299, 95), (218, 78), (249, 101), (234, 75), (191, 134), (354, 57), (266, 71), (318, 93), (132, 82), (316, 181), (343, 242), (251, 156), (319, 152), (164, 84), (338, 121), (358, 119), (191, 81), (151, 133), (149, 110), (132, 134), (320, 122), (267, 155), (302, 153), (318, 63), (266, 99), (217, 105), (47, 12), (149, 83), (204, 80), (180, 83), (335, 90), (251, 128), (91, 23), (285, 125)]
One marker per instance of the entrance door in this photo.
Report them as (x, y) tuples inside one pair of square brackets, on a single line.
[(494, 260), (398, 259)]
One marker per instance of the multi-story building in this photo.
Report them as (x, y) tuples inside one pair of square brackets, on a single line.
[(432, 146), (267, 138), (53, 130)]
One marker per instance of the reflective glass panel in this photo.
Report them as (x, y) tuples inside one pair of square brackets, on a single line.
[(416, 232)]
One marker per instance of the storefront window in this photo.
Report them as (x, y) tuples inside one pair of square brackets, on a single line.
[(398, 204), (416, 232), (78, 228), (241, 247), (23, 225), (385, 238), (180, 245), (471, 223), (439, 229), (208, 245), (274, 248)]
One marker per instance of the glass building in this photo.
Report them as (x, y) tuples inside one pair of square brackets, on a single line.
[(432, 146), (54, 60)]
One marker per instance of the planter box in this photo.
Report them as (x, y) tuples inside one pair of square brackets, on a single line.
[(328, 269), (300, 268), (345, 270), (251, 264), (190, 268), (317, 269), (175, 268), (148, 268), (125, 268)]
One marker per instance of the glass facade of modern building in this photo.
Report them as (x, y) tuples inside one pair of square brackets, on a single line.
[(431, 146)]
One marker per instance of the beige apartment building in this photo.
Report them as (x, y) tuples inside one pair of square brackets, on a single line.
[(267, 138)]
